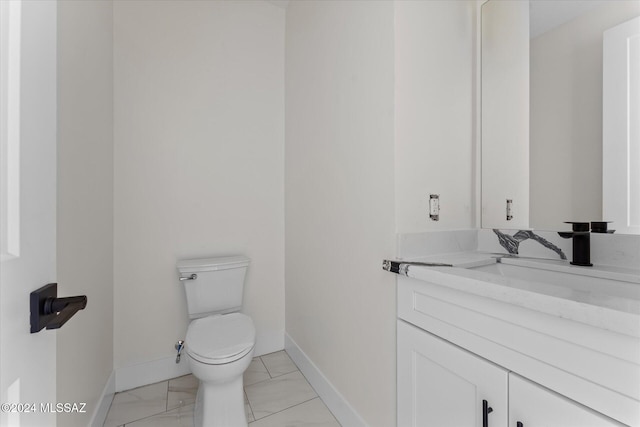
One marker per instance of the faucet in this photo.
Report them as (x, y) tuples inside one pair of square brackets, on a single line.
[(511, 243), (581, 243)]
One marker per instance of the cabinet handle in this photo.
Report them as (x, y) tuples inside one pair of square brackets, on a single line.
[(486, 410), (519, 424)]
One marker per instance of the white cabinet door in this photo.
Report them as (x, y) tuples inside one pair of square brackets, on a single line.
[(531, 405), (441, 385)]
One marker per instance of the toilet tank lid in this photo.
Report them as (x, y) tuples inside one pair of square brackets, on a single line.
[(212, 264)]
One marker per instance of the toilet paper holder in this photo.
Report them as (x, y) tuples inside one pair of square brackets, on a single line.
[(49, 311)]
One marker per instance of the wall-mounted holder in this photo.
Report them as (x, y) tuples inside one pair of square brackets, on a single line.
[(509, 209), (434, 206), (49, 311)]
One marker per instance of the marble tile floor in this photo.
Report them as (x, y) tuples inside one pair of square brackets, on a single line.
[(276, 395)]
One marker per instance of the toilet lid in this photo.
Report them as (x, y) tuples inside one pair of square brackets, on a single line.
[(216, 339)]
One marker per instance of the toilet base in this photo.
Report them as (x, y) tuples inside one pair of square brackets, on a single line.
[(220, 405), (220, 399)]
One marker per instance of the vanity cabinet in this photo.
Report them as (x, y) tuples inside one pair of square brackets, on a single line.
[(440, 384), (457, 349)]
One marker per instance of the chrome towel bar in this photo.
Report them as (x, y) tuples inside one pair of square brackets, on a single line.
[(400, 267)]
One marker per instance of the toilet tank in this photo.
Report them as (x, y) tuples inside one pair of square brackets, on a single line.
[(213, 285)]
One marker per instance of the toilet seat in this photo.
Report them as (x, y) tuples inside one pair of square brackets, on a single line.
[(220, 339)]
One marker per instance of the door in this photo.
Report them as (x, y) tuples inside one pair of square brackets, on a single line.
[(442, 385), (531, 405), (28, 199)]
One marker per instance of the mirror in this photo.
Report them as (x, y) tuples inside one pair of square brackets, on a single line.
[(542, 115)]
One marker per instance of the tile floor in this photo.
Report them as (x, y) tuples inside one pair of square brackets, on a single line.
[(276, 395)]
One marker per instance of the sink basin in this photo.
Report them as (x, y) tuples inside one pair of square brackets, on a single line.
[(617, 292)]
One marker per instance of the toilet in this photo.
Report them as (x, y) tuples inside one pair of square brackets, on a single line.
[(220, 340)]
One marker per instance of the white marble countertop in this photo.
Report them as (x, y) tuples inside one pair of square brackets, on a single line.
[(601, 271), (474, 259), (600, 296)]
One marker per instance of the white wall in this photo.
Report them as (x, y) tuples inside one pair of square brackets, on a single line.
[(434, 113), (199, 166), (85, 201), (566, 117), (505, 114), (354, 69), (199, 163), (339, 197)]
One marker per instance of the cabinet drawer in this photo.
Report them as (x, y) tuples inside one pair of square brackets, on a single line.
[(535, 406)]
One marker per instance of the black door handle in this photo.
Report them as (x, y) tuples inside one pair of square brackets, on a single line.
[(49, 311), (486, 410)]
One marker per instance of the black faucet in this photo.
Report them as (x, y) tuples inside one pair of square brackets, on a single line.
[(601, 227), (581, 243)]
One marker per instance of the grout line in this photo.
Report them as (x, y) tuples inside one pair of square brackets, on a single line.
[(290, 372), (274, 378), (265, 366), (244, 392), (154, 415), (257, 382), (148, 416), (249, 403), (166, 400), (293, 406), (143, 418)]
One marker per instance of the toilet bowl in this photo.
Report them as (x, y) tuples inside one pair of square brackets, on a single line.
[(219, 350), (220, 340)]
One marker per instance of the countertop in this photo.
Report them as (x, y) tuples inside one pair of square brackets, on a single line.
[(600, 296)]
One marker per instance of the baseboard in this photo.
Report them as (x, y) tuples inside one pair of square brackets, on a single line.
[(153, 371), (337, 404), (102, 408)]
